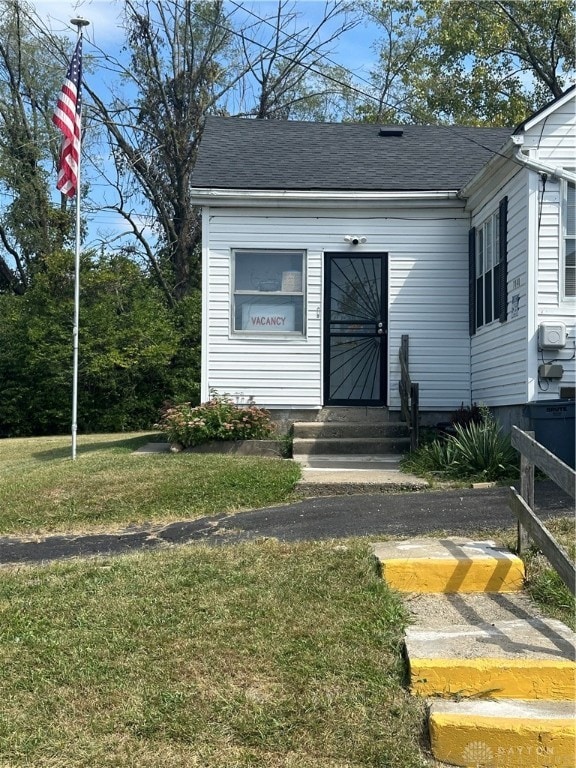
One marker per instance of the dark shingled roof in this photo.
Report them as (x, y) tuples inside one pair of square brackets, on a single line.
[(237, 153)]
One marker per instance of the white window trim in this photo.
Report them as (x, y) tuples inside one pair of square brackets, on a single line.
[(564, 236), (268, 335)]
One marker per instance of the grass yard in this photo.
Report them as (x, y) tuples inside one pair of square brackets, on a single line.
[(42, 489), (251, 655)]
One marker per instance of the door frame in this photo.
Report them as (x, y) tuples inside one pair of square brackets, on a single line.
[(326, 335)]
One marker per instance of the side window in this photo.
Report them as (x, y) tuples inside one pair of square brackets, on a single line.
[(268, 292), (488, 270), (569, 229)]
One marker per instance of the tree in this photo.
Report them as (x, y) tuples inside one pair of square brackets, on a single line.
[(176, 75), (30, 226), (287, 61), (188, 59), (135, 352), (477, 61)]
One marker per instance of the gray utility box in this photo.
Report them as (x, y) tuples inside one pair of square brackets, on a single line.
[(553, 425)]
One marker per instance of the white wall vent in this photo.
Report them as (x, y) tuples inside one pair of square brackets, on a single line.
[(551, 335)]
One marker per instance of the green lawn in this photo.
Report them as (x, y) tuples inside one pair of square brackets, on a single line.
[(42, 489), (265, 654), (261, 655)]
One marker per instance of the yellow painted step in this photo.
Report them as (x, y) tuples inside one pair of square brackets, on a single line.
[(449, 565), (514, 659), (503, 734)]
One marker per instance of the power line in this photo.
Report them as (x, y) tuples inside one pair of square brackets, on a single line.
[(326, 76)]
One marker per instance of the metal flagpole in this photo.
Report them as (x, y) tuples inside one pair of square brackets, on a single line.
[(78, 23)]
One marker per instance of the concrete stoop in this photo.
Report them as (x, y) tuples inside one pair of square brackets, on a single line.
[(350, 450), (343, 477), (499, 678)]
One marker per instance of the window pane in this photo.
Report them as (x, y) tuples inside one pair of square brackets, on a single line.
[(489, 244), (496, 255), (268, 271), (496, 272), (268, 295), (571, 210), (480, 253), (274, 314), (488, 297), (570, 275), (479, 302), (570, 285)]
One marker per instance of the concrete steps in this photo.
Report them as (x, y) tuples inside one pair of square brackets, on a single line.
[(499, 678), (348, 430), (506, 734), (449, 565), (352, 450), (326, 446)]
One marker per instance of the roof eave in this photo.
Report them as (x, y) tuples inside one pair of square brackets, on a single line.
[(503, 155), (263, 197)]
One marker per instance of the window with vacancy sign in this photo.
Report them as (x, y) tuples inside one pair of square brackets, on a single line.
[(268, 294)]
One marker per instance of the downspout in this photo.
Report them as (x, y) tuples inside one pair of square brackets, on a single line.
[(535, 165)]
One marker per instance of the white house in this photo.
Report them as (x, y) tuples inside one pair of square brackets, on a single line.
[(324, 243)]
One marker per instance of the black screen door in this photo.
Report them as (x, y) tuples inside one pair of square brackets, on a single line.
[(355, 329)]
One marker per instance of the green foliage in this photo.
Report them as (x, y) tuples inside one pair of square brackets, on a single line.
[(218, 419), (133, 351), (482, 451), (30, 226), (477, 451), (470, 62)]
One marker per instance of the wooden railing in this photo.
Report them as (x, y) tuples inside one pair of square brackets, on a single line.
[(529, 525), (409, 395)]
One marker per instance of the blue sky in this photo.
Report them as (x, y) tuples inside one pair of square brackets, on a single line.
[(352, 50)]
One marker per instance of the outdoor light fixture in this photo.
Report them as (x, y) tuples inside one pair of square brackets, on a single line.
[(354, 239)]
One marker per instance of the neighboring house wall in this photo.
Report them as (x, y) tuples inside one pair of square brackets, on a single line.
[(499, 359), (505, 356), (553, 140), (428, 276)]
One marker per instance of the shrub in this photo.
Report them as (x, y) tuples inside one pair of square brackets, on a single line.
[(218, 419), (477, 451), (482, 451)]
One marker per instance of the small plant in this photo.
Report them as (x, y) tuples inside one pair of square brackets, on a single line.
[(476, 450), (217, 419), (482, 451)]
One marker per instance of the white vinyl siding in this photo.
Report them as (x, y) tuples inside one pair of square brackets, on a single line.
[(505, 357), (428, 276), (500, 350), (556, 142)]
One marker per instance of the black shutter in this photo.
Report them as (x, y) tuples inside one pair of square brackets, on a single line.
[(502, 287), (472, 281)]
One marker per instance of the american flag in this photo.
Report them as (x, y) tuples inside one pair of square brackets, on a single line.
[(67, 118)]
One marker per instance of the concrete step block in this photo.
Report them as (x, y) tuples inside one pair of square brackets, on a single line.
[(503, 734), (353, 463), (354, 413), (516, 659), (340, 429), (373, 445), (450, 565)]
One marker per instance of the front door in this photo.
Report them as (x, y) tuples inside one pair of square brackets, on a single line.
[(355, 329)]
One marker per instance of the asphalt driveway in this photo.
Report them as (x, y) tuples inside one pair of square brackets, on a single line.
[(452, 512)]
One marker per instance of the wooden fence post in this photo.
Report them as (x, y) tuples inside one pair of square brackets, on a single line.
[(527, 493)]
